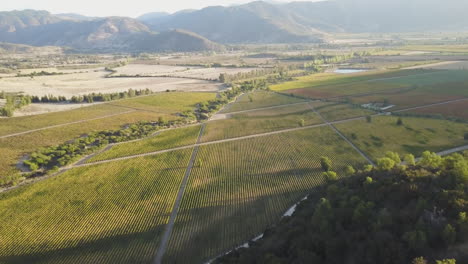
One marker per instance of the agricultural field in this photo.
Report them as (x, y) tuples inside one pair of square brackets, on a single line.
[(150, 108), (243, 187), (163, 140), (95, 81), (170, 103), (336, 111), (205, 73), (261, 121), (453, 110), (87, 215), (260, 99), (414, 136)]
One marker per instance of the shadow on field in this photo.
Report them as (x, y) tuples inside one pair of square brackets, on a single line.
[(123, 248)]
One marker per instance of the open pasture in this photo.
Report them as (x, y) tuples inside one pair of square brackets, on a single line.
[(260, 99), (260, 121), (243, 187), (414, 136), (164, 140), (110, 213)]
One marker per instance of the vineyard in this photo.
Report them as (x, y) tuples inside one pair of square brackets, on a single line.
[(261, 121), (169, 103), (452, 110), (336, 111), (20, 124), (414, 135), (259, 100), (100, 214), (164, 140), (238, 189)]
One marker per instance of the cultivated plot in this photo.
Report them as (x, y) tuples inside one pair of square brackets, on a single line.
[(261, 121), (336, 111), (164, 140), (110, 213), (260, 99), (414, 135), (451, 110), (237, 189)]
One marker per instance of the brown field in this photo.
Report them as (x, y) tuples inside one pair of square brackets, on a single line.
[(95, 82), (178, 71), (457, 110)]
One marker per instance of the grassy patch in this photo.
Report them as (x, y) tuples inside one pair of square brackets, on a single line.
[(414, 136)]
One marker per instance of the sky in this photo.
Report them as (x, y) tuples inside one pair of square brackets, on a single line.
[(131, 8)]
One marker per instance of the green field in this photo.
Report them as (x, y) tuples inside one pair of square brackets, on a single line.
[(336, 111), (20, 124), (260, 121), (170, 103), (244, 186), (110, 213), (164, 140), (165, 105), (415, 136), (260, 99)]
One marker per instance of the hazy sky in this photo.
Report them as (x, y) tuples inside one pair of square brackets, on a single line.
[(130, 8)]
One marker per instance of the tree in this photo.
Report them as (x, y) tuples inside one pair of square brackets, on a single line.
[(161, 120), (394, 156), (419, 260), (326, 164), (369, 119), (446, 261), (350, 170), (430, 159), (399, 121), (222, 77), (449, 234), (409, 159), (385, 164), (250, 98), (302, 123), (330, 176)]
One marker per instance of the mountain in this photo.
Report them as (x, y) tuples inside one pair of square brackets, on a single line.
[(257, 22), (266, 22), (40, 28), (152, 16), (74, 16)]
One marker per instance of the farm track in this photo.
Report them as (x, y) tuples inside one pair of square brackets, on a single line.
[(65, 124), (265, 108), (343, 136), (170, 225)]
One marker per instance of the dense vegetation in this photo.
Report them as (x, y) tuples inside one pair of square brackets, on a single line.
[(12, 102), (388, 214)]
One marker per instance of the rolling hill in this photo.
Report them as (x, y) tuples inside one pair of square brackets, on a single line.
[(40, 28)]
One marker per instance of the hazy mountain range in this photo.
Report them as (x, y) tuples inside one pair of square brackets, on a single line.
[(256, 22)]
